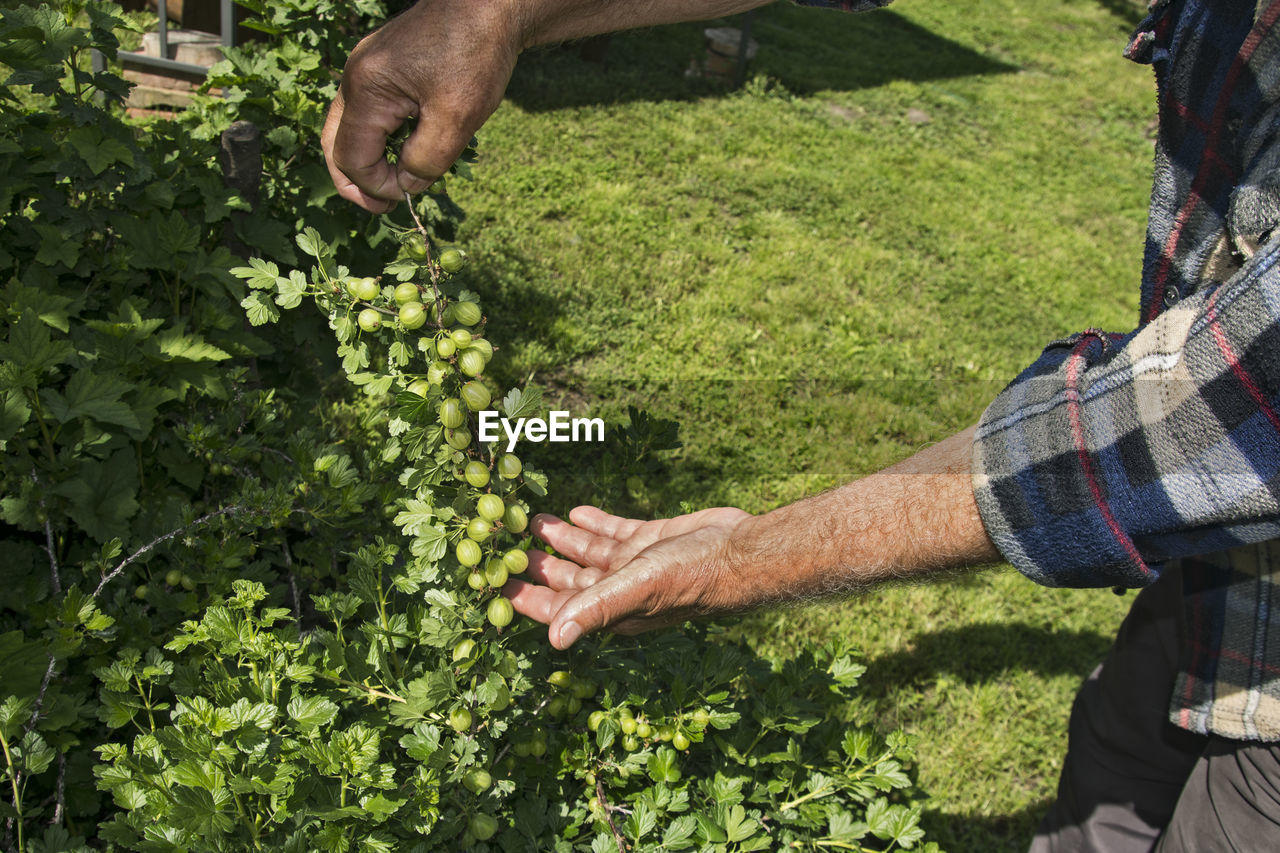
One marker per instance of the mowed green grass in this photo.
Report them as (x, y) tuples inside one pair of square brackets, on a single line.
[(817, 275)]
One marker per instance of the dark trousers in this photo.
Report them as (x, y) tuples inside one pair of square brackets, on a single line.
[(1133, 781)]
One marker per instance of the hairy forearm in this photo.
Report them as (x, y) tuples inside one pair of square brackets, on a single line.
[(549, 21), (918, 516)]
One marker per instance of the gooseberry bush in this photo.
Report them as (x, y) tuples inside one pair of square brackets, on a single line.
[(250, 604)]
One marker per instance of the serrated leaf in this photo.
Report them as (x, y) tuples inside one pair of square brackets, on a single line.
[(399, 353), (841, 826), (878, 818), (245, 713), (310, 242), (536, 481), (522, 404), (289, 291), (431, 543), (97, 152), (679, 833), (103, 495), (640, 822), (14, 414), (260, 274), (857, 744), (94, 395), (260, 309), (129, 796), (311, 712), (738, 826), (664, 765)]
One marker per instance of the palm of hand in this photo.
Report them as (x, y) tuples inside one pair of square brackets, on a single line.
[(625, 574)]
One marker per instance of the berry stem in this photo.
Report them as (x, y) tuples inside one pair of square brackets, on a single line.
[(431, 266)]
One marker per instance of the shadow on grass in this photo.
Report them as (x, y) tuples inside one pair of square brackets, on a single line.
[(803, 49), (1005, 833), (986, 652)]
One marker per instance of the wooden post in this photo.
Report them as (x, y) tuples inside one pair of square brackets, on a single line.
[(241, 162)]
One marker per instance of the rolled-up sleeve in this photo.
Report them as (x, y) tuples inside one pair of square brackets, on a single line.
[(1112, 454)]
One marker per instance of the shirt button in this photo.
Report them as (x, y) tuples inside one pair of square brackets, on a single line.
[(1170, 297)]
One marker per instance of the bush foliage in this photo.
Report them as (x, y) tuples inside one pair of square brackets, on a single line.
[(238, 610)]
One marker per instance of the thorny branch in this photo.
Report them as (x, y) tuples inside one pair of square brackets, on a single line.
[(159, 540), (608, 816)]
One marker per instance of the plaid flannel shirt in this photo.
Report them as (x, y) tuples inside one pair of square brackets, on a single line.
[(1113, 455)]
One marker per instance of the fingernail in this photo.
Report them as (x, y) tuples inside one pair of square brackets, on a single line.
[(569, 634)]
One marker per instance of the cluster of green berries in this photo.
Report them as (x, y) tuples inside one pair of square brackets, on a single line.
[(457, 354), (637, 730)]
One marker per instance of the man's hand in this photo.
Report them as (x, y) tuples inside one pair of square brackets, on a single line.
[(445, 62), (628, 575)]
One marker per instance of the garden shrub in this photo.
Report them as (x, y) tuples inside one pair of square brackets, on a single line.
[(240, 610)]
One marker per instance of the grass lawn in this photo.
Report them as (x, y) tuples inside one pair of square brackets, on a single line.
[(819, 273)]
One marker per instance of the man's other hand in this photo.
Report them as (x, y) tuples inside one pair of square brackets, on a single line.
[(629, 575)]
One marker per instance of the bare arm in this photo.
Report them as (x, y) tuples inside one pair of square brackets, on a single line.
[(913, 518), (447, 63)]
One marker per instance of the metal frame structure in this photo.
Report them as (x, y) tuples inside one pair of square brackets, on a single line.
[(163, 62)]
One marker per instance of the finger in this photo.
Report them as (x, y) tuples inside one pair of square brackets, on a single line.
[(602, 523), (369, 115), (536, 602), (560, 574), (433, 146), (615, 597), (344, 185), (581, 546)]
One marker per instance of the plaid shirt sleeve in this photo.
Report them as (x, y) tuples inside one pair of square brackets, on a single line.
[(1112, 454)]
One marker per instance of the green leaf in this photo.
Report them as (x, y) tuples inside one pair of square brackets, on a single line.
[(431, 543), (173, 344), (904, 826), (291, 290), (260, 274), (310, 242), (129, 796), (664, 766), (58, 245), (857, 744), (202, 812), (399, 353), (260, 309), (97, 152), (641, 821), (841, 826), (522, 404), (31, 346), (312, 712), (422, 743), (878, 818), (738, 826), (93, 395), (14, 713), (198, 774), (415, 514), (679, 833), (14, 414), (380, 807), (103, 494), (245, 713)]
